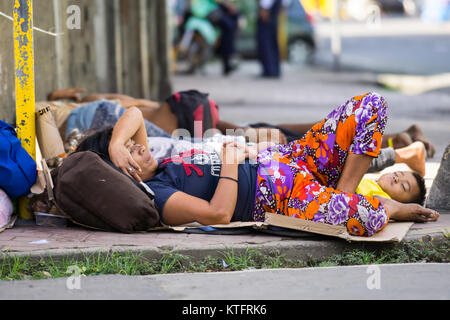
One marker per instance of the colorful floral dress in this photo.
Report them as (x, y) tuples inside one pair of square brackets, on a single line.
[(299, 179)]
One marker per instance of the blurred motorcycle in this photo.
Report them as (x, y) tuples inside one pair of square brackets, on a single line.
[(199, 33)]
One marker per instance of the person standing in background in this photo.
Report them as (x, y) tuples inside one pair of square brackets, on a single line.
[(267, 37), (228, 24)]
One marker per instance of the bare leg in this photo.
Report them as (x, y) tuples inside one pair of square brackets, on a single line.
[(405, 138), (413, 156), (355, 167), (416, 134), (399, 140)]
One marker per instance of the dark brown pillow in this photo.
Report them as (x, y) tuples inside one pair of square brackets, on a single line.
[(94, 194)]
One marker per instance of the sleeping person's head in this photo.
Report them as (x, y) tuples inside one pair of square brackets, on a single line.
[(403, 186), (98, 141), (144, 159)]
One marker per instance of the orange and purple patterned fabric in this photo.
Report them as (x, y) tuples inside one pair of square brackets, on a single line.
[(299, 179)]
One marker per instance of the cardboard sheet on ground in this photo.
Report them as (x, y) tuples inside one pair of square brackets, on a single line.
[(393, 232)]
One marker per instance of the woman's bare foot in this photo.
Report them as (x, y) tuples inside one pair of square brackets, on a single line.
[(413, 156), (416, 134)]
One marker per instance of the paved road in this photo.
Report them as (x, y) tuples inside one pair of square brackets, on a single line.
[(395, 45), (385, 282)]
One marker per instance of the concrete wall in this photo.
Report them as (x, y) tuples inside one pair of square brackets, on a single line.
[(121, 47)]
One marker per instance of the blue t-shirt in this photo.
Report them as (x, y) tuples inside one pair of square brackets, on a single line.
[(197, 173)]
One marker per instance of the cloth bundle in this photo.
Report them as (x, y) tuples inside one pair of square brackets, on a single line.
[(18, 170)]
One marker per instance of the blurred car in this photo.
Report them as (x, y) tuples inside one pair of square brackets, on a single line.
[(391, 6), (296, 32), (362, 10)]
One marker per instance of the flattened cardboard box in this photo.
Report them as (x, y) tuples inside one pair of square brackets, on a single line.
[(392, 232)]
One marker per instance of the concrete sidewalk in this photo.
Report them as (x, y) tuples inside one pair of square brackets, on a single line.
[(35, 241), (29, 240)]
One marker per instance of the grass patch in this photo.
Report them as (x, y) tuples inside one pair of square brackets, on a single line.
[(17, 268)]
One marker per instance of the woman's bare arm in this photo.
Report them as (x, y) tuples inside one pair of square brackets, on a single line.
[(108, 96), (67, 94), (129, 126), (123, 100), (182, 208), (408, 211)]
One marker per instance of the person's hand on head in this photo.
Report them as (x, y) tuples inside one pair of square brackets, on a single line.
[(121, 157)]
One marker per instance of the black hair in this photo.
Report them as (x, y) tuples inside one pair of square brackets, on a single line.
[(420, 199), (97, 141)]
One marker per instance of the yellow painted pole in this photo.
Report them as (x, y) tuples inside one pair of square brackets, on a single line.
[(24, 81), (24, 75)]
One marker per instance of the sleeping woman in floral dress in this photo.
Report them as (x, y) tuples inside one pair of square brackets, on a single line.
[(313, 178)]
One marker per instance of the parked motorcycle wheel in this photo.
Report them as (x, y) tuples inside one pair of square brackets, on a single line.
[(197, 54)]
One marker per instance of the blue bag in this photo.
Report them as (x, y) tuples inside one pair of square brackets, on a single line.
[(18, 170)]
